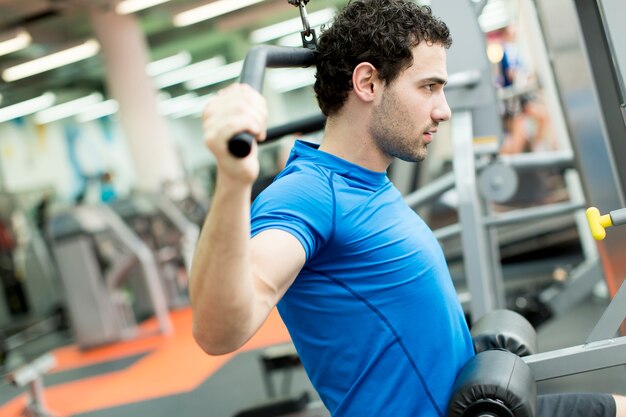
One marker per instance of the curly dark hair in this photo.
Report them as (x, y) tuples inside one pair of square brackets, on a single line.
[(381, 32)]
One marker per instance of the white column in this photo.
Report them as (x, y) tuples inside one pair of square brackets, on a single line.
[(125, 55)]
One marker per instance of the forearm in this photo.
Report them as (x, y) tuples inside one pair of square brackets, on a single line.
[(221, 285), (225, 303)]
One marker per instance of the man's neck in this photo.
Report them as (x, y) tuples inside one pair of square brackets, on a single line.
[(347, 137)]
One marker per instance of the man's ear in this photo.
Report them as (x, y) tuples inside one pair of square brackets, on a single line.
[(365, 81)]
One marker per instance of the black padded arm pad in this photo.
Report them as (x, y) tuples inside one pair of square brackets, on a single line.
[(504, 329), (494, 383)]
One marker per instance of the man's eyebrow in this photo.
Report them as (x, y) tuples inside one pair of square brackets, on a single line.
[(435, 80)]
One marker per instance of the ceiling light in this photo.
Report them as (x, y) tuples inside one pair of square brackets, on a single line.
[(68, 109), (27, 107), (132, 6), (195, 107), (291, 26), (168, 64), (285, 80), (99, 110), (55, 60), (293, 41), (176, 104), (216, 75), (15, 42), (210, 10), (187, 73)]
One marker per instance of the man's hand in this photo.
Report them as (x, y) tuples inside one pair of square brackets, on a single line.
[(235, 109)]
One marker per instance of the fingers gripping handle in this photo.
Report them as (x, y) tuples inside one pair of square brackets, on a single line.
[(598, 223), (253, 72)]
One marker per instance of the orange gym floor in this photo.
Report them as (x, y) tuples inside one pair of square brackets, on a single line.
[(154, 375)]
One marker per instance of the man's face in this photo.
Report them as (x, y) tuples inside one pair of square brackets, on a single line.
[(412, 106)]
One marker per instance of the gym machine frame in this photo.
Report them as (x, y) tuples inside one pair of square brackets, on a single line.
[(601, 349)]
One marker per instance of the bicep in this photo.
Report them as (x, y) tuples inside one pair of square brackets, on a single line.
[(277, 258)]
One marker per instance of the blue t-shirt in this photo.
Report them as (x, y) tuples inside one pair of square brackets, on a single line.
[(373, 313)]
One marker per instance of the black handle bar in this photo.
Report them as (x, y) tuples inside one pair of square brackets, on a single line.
[(253, 72)]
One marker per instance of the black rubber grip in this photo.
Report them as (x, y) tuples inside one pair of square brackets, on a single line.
[(240, 145)]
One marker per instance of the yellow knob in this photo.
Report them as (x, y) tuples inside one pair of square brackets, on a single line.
[(598, 223)]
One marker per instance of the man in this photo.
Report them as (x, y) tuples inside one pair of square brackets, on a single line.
[(359, 279), (521, 106)]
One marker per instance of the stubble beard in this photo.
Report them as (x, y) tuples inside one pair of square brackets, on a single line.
[(393, 133)]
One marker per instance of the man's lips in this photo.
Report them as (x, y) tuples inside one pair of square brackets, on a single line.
[(428, 135)]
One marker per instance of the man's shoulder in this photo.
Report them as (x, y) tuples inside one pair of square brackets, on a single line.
[(307, 178)]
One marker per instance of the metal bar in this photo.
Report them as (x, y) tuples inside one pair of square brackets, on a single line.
[(448, 231), (302, 126), (37, 403), (463, 79), (614, 39), (532, 213), (148, 266), (430, 191), (268, 56), (525, 161), (618, 217), (436, 188), (611, 319), (253, 73), (607, 81), (576, 194), (483, 279), (189, 230), (577, 359)]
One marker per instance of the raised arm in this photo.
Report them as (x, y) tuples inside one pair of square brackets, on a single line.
[(236, 281)]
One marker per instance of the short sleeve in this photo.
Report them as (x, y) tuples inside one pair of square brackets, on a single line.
[(300, 204)]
